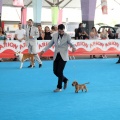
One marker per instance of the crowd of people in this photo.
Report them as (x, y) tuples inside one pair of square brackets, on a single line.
[(80, 33), (47, 33)]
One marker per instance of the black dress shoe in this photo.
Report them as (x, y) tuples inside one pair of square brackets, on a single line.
[(15, 59), (100, 56), (30, 66), (65, 85), (118, 62), (40, 65), (94, 56), (90, 56)]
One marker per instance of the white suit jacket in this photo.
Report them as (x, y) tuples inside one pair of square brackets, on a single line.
[(61, 45), (34, 32)]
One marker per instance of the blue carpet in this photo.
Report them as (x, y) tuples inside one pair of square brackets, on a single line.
[(27, 94)]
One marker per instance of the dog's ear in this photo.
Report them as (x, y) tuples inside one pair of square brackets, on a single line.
[(76, 83)]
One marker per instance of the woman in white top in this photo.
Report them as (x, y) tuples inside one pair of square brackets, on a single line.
[(93, 35), (103, 36)]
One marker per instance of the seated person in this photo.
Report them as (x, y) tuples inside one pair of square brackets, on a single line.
[(110, 34), (2, 37), (83, 35)]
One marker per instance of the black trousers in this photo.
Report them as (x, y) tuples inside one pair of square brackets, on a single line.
[(58, 67), (119, 59)]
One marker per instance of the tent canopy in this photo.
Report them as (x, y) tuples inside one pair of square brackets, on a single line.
[(72, 3), (66, 3)]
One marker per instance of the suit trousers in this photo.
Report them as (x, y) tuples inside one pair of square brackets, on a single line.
[(58, 67), (118, 59)]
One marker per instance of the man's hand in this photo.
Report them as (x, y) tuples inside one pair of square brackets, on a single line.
[(74, 49), (19, 40), (41, 53)]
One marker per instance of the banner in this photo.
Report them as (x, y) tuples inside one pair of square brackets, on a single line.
[(104, 6), (84, 47), (18, 3)]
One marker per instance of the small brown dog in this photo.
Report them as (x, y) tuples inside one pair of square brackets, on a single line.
[(79, 86)]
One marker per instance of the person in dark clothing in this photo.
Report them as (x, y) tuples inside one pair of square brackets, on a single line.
[(76, 34), (81, 34), (47, 34), (61, 41), (41, 33), (110, 34)]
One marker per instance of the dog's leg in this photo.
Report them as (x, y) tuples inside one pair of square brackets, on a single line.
[(32, 61), (21, 65), (76, 91), (85, 89)]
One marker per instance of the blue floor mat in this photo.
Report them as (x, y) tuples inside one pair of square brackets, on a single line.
[(27, 93)]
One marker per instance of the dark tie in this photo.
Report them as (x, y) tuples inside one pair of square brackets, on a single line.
[(29, 31)]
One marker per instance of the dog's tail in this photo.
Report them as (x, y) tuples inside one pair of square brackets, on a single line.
[(86, 83)]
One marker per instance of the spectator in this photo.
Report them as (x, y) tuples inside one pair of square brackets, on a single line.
[(93, 35), (103, 36), (118, 33), (110, 34), (81, 33), (76, 34), (19, 35), (2, 37), (56, 27), (53, 30), (41, 33), (47, 35)]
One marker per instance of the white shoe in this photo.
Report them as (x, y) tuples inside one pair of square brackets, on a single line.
[(57, 90)]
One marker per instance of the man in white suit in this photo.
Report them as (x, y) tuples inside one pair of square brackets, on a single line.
[(32, 34), (61, 40)]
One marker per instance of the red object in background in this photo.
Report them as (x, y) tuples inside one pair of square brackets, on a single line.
[(18, 3), (83, 47), (104, 6), (2, 24)]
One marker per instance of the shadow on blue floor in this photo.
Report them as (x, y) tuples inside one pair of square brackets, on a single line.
[(27, 94)]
